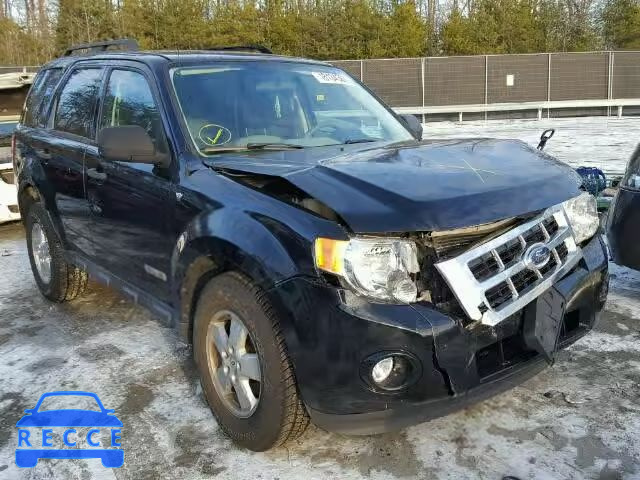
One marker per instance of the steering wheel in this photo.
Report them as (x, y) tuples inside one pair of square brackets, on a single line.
[(324, 129)]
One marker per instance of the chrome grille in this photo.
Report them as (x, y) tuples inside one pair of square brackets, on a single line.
[(493, 281)]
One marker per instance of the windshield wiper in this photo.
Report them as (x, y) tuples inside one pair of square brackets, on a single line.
[(361, 140), (273, 146), (252, 146)]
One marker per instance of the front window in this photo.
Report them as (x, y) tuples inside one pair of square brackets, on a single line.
[(129, 101), (239, 104)]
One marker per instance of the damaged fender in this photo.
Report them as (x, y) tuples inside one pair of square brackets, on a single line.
[(259, 243)]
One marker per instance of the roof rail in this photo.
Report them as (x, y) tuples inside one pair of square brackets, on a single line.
[(244, 48), (96, 47)]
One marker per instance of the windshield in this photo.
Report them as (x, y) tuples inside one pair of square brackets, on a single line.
[(240, 104)]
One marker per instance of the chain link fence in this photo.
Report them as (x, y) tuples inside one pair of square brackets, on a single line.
[(491, 79)]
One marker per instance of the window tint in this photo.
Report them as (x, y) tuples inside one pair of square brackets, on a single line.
[(36, 107), (77, 102), (129, 101)]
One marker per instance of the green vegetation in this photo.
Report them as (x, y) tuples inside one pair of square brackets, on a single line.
[(32, 31)]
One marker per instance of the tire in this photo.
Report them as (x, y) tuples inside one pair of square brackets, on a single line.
[(65, 281), (279, 415)]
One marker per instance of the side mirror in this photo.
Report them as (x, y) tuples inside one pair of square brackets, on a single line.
[(129, 143), (414, 125)]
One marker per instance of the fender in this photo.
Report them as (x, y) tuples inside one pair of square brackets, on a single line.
[(263, 248), (30, 177)]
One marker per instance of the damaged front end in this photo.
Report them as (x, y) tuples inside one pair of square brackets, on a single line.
[(455, 360), (400, 327), (516, 293), (489, 314)]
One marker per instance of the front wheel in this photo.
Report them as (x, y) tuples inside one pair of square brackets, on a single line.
[(244, 368)]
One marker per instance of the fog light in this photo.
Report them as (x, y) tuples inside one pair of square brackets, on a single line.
[(390, 371), (381, 370)]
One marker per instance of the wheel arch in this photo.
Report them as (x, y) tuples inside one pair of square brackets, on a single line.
[(256, 248)]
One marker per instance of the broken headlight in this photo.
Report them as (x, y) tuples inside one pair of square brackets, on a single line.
[(378, 268), (582, 213)]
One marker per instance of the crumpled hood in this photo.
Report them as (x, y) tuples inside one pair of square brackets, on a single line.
[(432, 185)]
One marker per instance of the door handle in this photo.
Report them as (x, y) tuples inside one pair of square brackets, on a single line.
[(96, 175)]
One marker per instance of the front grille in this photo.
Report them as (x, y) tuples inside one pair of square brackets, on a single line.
[(7, 176), (497, 278), (487, 265)]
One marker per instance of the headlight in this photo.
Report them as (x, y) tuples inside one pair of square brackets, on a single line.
[(582, 213), (378, 268)]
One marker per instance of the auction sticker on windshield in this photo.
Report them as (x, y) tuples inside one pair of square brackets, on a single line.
[(69, 424), (331, 77)]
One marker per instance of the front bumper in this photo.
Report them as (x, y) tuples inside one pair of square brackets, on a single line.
[(329, 332)]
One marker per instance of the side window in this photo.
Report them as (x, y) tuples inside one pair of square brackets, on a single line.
[(129, 101), (77, 102), (35, 113)]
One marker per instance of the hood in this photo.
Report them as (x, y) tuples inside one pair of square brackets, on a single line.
[(432, 185)]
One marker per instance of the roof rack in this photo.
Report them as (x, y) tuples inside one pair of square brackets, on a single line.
[(244, 48), (96, 47)]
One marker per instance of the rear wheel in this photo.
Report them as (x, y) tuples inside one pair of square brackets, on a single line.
[(244, 368), (57, 280)]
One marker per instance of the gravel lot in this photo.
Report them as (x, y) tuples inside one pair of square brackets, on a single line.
[(577, 419)]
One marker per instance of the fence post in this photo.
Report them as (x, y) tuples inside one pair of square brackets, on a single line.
[(486, 86), (422, 64), (610, 84), (548, 83), (362, 71)]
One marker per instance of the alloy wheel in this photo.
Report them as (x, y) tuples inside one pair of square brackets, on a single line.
[(41, 252), (233, 363)]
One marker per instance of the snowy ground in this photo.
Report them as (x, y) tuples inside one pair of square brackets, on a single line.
[(578, 419), (602, 142)]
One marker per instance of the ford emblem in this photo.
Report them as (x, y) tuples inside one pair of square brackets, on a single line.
[(537, 256)]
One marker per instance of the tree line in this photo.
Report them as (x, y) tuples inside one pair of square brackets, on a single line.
[(33, 31)]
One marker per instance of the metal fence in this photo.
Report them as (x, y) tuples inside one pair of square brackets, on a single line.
[(591, 82), (553, 80)]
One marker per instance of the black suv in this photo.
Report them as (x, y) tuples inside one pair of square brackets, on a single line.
[(324, 261)]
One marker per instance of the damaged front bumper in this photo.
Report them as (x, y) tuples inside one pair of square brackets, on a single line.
[(330, 333)]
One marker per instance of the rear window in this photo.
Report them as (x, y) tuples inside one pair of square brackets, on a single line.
[(36, 106), (77, 103)]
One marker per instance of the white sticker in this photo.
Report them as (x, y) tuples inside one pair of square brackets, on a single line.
[(330, 77)]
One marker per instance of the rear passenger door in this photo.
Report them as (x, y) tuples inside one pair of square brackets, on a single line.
[(62, 153), (129, 201)]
